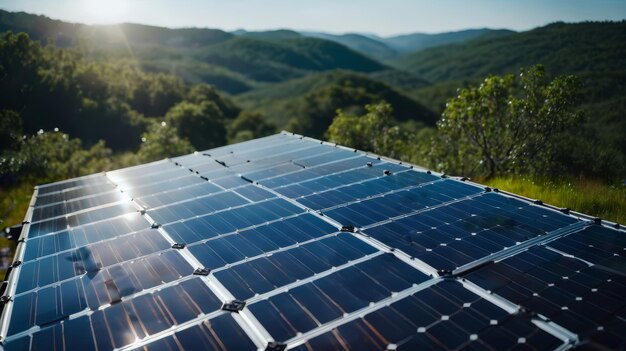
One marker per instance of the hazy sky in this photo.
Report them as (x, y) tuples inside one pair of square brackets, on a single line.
[(383, 17)]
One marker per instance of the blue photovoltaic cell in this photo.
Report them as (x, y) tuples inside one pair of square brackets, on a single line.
[(399, 203), (92, 288), (219, 333), (178, 195), (62, 223), (61, 209), (73, 193), (578, 281), (229, 249), (204, 227), (445, 316), (306, 307), (450, 236), (121, 324), (83, 235), (264, 274), (328, 248), (197, 207)]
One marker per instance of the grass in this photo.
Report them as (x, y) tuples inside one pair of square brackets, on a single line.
[(13, 205), (586, 196)]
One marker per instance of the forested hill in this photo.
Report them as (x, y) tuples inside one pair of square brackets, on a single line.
[(229, 62), (563, 48), (594, 51), (298, 80)]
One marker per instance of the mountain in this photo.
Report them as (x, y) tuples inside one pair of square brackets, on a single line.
[(389, 48), (274, 61), (314, 99), (373, 47), (65, 34), (419, 41), (233, 63), (278, 34), (594, 51)]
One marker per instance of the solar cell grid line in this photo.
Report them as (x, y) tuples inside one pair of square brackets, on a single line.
[(128, 184), (441, 315), (421, 235), (73, 194), (576, 280), (194, 198), (288, 312), (120, 325), (226, 149), (80, 227), (365, 189), (69, 184), (111, 190), (249, 322), (371, 170), (280, 282), (376, 244), (259, 163), (54, 216), (73, 206), (399, 203), (316, 170), (233, 160)]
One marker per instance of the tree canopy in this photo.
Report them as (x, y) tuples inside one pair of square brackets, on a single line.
[(508, 124)]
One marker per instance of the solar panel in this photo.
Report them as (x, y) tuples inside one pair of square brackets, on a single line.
[(286, 242)]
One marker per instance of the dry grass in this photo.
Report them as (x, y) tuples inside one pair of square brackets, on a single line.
[(589, 197)]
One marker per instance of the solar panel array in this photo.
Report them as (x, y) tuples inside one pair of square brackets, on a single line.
[(287, 242)]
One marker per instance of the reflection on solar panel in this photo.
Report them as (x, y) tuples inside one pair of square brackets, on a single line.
[(286, 242)]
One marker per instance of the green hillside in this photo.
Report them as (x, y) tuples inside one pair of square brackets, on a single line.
[(317, 96), (376, 48), (270, 61), (232, 63), (594, 51), (409, 43)]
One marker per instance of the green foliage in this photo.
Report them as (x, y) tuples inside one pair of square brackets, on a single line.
[(10, 129), (202, 123), (374, 131), (307, 105), (249, 125), (161, 141), (508, 126), (203, 92), (95, 100), (593, 51), (51, 156)]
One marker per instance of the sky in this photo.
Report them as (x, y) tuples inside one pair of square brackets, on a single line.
[(381, 17)]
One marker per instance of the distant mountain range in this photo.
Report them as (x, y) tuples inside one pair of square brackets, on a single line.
[(378, 47), (273, 71)]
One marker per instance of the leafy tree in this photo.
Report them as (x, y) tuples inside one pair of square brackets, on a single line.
[(249, 125), (10, 129), (202, 123), (52, 156), (205, 92), (375, 131), (508, 124), (160, 141)]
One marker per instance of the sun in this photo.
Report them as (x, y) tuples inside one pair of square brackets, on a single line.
[(106, 11)]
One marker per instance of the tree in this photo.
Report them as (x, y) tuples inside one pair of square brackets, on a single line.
[(375, 131), (508, 124), (52, 156), (161, 141), (249, 125), (201, 123)]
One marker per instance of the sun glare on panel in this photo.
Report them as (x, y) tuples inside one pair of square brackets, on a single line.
[(106, 11)]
